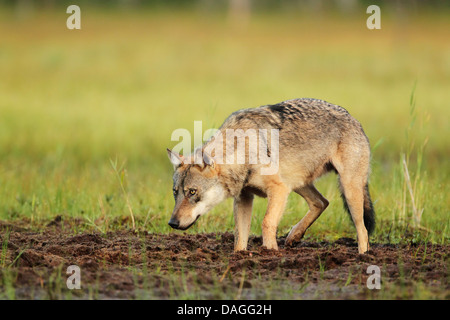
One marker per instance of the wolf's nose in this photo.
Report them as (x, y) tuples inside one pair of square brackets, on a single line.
[(174, 223)]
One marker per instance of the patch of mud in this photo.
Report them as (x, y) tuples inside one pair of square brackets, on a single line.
[(126, 264)]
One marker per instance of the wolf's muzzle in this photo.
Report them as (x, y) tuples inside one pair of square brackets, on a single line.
[(174, 223)]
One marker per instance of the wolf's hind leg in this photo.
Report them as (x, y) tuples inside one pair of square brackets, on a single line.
[(317, 204), (242, 218), (353, 191)]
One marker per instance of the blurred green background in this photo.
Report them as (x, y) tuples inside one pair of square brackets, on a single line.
[(71, 100)]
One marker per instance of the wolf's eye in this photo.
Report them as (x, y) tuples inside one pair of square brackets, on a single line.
[(192, 192), (175, 191)]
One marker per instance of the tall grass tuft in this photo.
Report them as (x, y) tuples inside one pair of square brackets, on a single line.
[(414, 183), (120, 175)]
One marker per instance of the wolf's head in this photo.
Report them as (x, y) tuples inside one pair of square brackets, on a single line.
[(196, 188)]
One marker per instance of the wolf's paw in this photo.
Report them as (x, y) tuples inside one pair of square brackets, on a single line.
[(291, 241), (270, 245)]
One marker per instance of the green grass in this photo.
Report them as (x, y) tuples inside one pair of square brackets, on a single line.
[(70, 101)]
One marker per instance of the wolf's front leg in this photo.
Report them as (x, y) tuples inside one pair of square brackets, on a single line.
[(277, 198), (242, 218)]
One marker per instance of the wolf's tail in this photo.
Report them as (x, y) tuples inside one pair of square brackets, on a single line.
[(369, 212)]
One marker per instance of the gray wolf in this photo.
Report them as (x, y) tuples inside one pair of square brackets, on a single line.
[(314, 137)]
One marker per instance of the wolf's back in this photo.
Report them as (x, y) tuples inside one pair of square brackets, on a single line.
[(291, 115)]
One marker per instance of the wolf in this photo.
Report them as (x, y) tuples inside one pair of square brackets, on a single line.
[(314, 137)]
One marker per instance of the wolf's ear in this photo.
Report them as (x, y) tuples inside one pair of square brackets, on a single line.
[(176, 159), (208, 159), (202, 159)]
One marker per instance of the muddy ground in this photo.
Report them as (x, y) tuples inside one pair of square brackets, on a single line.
[(128, 265)]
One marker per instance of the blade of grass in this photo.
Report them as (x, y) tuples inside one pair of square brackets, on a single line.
[(120, 178)]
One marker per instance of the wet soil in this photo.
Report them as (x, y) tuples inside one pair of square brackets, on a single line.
[(126, 264)]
